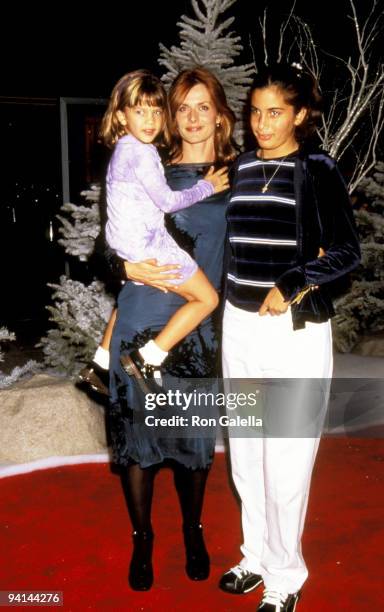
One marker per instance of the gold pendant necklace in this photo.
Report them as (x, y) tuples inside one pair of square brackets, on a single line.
[(266, 184)]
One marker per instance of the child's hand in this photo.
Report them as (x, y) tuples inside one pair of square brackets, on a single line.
[(218, 178)]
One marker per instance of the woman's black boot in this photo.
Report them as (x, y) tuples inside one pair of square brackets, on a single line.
[(140, 570), (138, 488), (197, 566)]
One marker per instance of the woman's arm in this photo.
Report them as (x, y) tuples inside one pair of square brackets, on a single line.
[(146, 272), (339, 236), (149, 273)]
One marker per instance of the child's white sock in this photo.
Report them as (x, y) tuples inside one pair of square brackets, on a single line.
[(102, 358), (153, 354)]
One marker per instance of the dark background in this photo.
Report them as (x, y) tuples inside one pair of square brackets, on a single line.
[(69, 53), (66, 53)]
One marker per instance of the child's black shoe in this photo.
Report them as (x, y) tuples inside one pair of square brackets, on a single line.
[(95, 377), (147, 375)]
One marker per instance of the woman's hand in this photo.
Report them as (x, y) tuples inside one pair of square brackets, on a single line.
[(149, 273), (218, 178), (274, 303)]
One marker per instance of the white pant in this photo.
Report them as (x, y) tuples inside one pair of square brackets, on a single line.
[(272, 475)]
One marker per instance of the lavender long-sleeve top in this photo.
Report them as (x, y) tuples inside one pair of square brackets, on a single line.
[(137, 198)]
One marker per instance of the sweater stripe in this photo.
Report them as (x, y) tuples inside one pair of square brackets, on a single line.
[(250, 283), (262, 198), (266, 163), (250, 240)]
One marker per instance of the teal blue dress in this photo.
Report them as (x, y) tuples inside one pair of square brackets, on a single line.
[(143, 311)]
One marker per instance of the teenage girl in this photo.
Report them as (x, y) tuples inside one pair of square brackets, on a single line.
[(291, 231), (137, 198)]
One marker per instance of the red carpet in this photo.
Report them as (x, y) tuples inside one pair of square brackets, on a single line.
[(67, 529)]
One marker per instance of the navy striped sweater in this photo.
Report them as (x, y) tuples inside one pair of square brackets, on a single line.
[(261, 228)]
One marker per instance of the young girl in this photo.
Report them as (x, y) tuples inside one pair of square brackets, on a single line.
[(137, 198), (291, 231)]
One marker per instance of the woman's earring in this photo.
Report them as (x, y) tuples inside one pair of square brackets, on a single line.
[(218, 124)]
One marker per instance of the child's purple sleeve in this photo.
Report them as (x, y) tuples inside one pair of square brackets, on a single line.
[(147, 167)]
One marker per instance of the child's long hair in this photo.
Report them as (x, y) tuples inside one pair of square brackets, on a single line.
[(140, 87), (299, 89), (224, 145)]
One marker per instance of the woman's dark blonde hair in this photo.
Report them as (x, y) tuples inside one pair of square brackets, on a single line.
[(140, 87), (225, 148)]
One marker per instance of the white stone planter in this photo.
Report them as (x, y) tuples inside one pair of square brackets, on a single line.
[(46, 416)]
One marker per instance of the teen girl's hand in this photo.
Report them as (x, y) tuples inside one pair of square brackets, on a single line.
[(149, 273), (218, 178), (274, 303)]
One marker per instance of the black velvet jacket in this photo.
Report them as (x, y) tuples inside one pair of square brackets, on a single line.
[(324, 218)]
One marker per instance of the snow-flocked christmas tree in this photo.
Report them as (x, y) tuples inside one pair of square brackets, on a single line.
[(79, 311), (79, 233), (5, 336), (361, 310), (6, 380), (203, 42)]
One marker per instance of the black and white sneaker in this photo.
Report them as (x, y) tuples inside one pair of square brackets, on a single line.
[(239, 581), (274, 601)]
